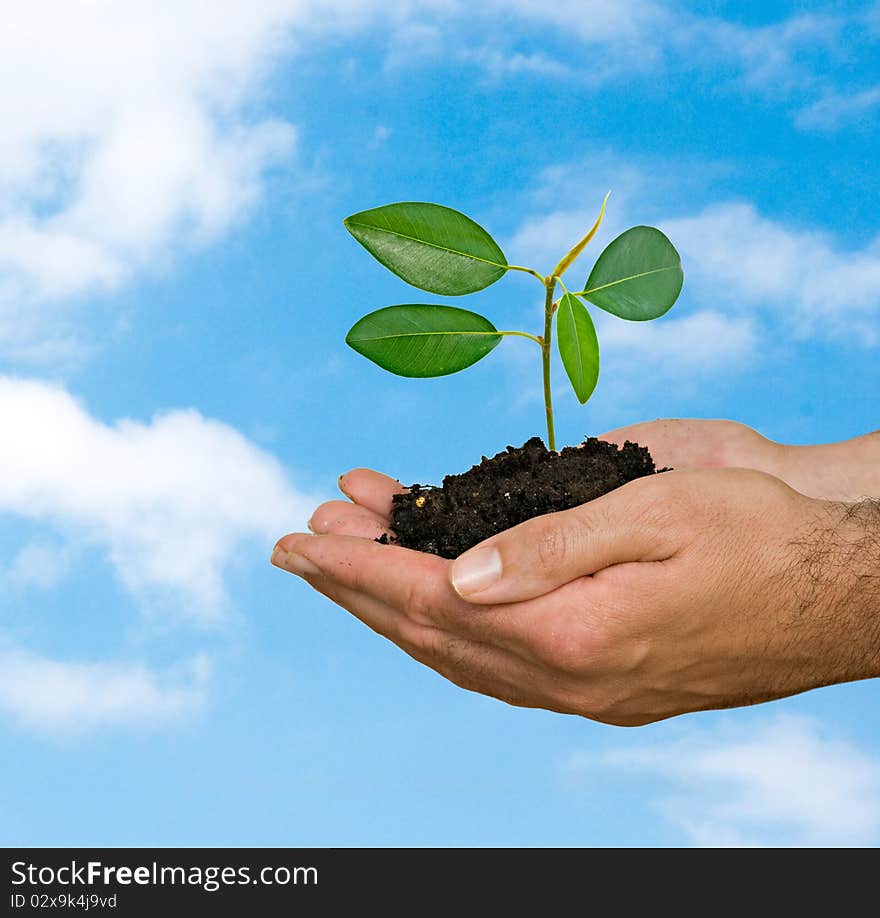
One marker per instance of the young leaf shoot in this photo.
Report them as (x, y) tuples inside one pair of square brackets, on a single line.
[(637, 277)]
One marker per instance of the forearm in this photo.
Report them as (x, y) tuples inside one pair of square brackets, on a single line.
[(845, 471), (838, 588)]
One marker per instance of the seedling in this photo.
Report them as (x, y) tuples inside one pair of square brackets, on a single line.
[(637, 277)]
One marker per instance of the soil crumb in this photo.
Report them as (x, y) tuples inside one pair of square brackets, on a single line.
[(517, 484)]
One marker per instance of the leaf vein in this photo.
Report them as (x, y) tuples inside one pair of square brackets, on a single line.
[(623, 280), (433, 245)]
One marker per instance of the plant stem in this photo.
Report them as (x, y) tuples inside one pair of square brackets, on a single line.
[(531, 271), (546, 342), (520, 334)]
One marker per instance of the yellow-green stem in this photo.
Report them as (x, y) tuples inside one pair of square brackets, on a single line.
[(546, 342)]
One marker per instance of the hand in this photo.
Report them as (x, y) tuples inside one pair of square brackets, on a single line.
[(675, 593), (846, 471), (698, 443)]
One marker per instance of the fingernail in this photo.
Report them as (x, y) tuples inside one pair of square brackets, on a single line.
[(320, 526), (476, 570), (317, 526), (340, 483), (294, 563)]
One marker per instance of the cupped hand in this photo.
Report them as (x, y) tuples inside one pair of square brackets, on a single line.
[(677, 592), (701, 443), (845, 471)]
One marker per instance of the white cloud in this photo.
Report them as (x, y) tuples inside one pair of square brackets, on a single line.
[(805, 278), (640, 360), (835, 110), (543, 239), (499, 64), (131, 131), (619, 38), (738, 262), (381, 135), (134, 130), (36, 565), (677, 348), (592, 21), (787, 781), (70, 698), (624, 39), (705, 341), (125, 128), (566, 197), (769, 57), (606, 40), (173, 503)]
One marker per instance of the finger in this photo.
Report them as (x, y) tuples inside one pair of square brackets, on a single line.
[(469, 664), (415, 583), (370, 489), (548, 551), (633, 432), (669, 440), (343, 518), (401, 577), (693, 443)]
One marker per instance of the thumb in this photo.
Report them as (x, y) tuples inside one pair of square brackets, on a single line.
[(548, 551)]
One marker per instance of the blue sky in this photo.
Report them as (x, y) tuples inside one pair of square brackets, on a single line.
[(175, 286)]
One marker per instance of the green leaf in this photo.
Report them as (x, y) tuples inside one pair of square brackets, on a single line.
[(420, 340), (578, 346), (432, 247), (637, 277)]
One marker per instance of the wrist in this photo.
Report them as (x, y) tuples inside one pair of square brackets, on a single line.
[(847, 471)]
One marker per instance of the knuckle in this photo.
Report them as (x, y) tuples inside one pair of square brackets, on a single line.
[(667, 503), (572, 658), (415, 639), (594, 637), (457, 653), (552, 547), (419, 602), (455, 660), (599, 645), (605, 705), (443, 651), (492, 688), (567, 650), (424, 644), (514, 697), (461, 662), (653, 515), (619, 710)]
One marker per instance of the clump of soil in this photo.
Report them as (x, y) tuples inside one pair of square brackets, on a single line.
[(510, 488)]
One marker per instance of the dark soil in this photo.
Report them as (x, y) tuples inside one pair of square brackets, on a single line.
[(510, 488)]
